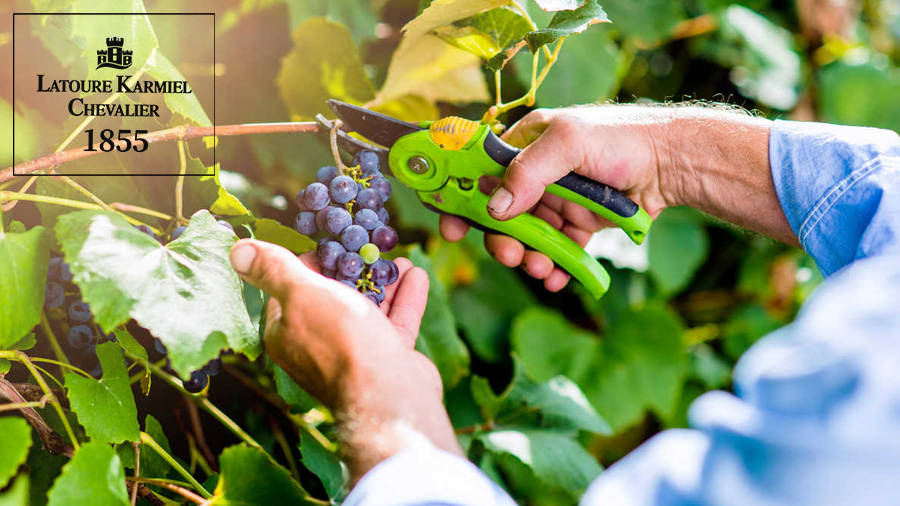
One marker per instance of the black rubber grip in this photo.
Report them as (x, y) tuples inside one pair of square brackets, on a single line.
[(605, 195)]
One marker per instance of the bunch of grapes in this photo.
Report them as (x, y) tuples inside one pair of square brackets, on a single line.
[(348, 209)]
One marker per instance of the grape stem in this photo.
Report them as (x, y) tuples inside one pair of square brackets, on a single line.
[(335, 127), (168, 485), (77, 204), (137, 470), (148, 440), (54, 343), (183, 132)]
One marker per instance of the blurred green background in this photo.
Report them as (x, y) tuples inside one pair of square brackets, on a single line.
[(681, 310)]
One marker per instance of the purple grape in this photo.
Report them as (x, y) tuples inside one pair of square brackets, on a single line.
[(350, 265), (145, 229), (373, 297), (337, 220), (315, 197), (58, 270), (299, 200), (326, 174), (342, 189), (382, 186), (322, 219), (177, 232), (395, 272), (159, 346), (354, 237), (382, 272), (384, 216), (385, 238), (322, 241), (329, 273), (329, 254), (349, 283), (367, 161), (197, 382), (369, 199), (55, 296), (305, 223), (379, 295), (213, 367), (79, 312), (367, 219), (80, 336)]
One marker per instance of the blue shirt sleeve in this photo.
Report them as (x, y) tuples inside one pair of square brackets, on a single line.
[(815, 418)]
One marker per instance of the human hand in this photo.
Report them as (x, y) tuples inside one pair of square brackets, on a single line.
[(616, 145), (355, 357)]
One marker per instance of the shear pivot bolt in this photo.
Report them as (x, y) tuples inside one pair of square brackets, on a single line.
[(465, 183), (418, 164)]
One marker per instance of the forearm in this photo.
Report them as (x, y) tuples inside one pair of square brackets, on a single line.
[(718, 161)]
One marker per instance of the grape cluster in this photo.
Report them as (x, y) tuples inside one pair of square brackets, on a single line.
[(73, 317), (348, 209)]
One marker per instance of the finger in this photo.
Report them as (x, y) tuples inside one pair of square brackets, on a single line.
[(527, 129), (554, 154), (505, 249), (311, 262), (403, 266), (453, 228), (557, 280), (408, 305), (271, 268), (537, 265), (547, 214), (577, 234)]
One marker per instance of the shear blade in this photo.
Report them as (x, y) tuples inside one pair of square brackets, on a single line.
[(372, 125)]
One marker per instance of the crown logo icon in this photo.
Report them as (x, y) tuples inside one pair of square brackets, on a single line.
[(114, 56)]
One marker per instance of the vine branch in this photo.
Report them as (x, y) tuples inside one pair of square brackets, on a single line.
[(182, 133)]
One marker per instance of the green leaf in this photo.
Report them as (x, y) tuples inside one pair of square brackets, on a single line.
[(185, 104), (584, 72), (648, 21), (26, 343), (709, 367), (184, 293), (559, 5), (248, 477), (554, 458), (640, 364), (298, 399), (470, 39), (17, 494), (677, 246), (43, 468), (269, 230), (94, 476), (485, 309), (323, 463), (323, 64), (23, 274), (206, 191), (558, 401), (13, 446), (360, 16), (565, 23), (105, 407), (152, 464), (841, 85), (438, 338), (488, 33)]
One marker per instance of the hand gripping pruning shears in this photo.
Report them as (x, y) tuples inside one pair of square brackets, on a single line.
[(443, 161)]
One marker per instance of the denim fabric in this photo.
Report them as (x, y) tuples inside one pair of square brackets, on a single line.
[(815, 418)]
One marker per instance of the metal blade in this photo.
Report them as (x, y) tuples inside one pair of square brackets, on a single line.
[(351, 146), (374, 126)]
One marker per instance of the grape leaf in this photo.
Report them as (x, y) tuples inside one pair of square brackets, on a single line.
[(323, 463), (677, 246), (323, 64), (105, 407), (566, 23), (17, 494), (640, 364), (360, 16), (184, 104), (559, 5), (470, 39), (438, 337), (43, 468), (269, 230), (184, 293), (13, 446), (298, 399), (249, 477), (555, 458), (94, 476), (23, 274), (505, 24), (206, 191)]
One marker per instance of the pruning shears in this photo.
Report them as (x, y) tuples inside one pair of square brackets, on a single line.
[(443, 160)]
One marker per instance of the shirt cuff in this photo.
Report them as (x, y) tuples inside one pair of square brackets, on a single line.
[(422, 474), (833, 183)]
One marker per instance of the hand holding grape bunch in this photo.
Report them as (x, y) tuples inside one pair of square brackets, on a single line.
[(349, 209)]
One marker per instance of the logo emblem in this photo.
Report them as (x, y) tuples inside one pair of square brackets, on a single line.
[(114, 56)]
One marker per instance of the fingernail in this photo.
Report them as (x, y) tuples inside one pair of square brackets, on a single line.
[(242, 257), (500, 200)]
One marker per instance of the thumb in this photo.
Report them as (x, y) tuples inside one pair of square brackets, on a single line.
[(553, 155), (270, 268)]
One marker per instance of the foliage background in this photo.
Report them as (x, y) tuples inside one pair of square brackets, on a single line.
[(681, 310)]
